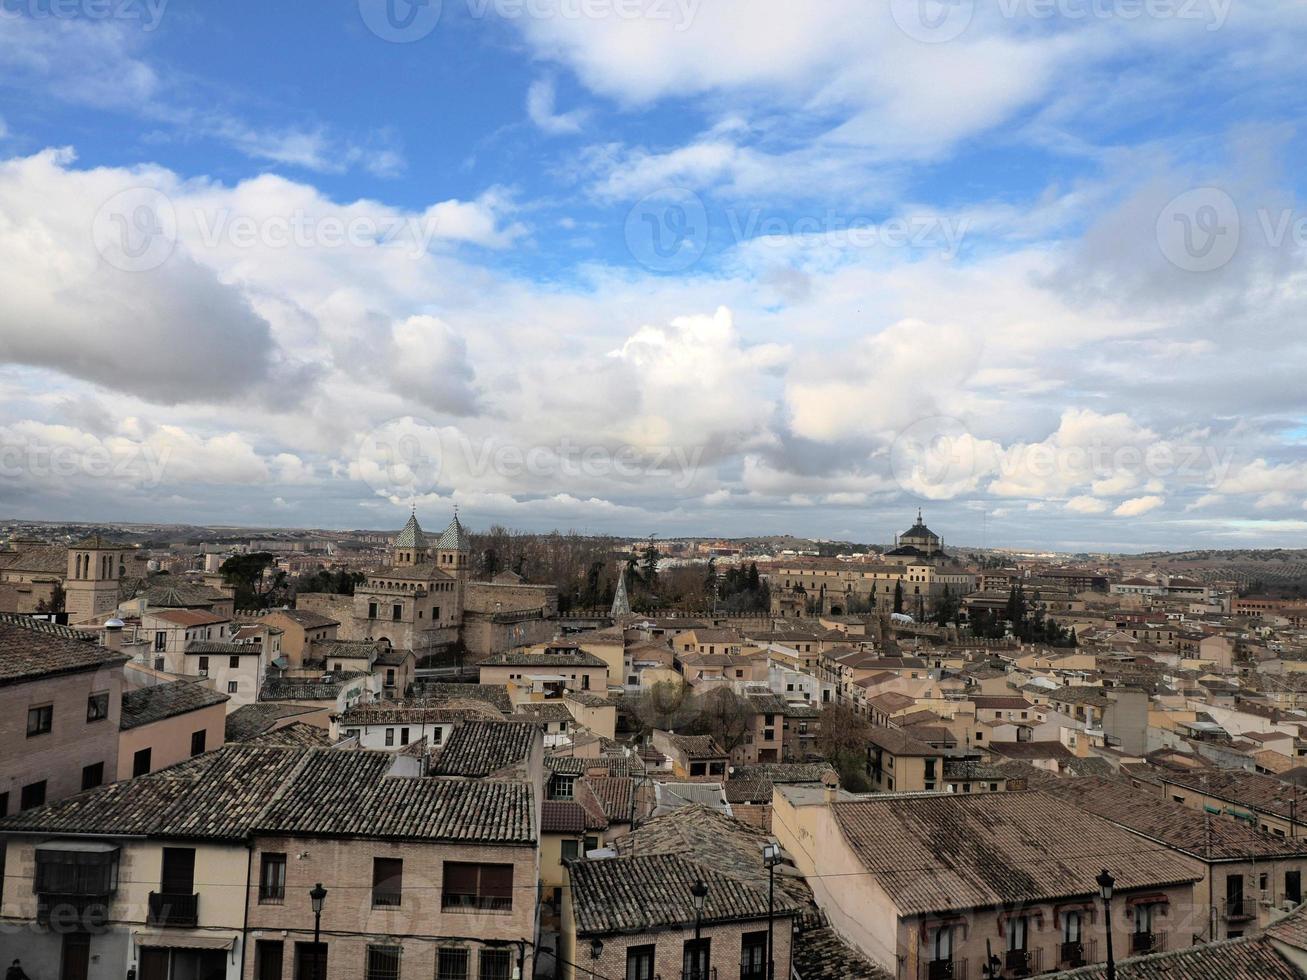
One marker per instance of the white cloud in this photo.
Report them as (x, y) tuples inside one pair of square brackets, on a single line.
[(540, 99), (1139, 505), (1087, 505)]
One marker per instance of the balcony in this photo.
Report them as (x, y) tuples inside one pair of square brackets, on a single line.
[(1022, 962), (1239, 909), (1073, 955), (1142, 943), (953, 969), (65, 911), (169, 909)]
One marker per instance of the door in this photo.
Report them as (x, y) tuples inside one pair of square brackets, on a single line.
[(154, 963), (178, 877), (1293, 887), (1234, 894), (267, 959), (76, 960), (310, 961)]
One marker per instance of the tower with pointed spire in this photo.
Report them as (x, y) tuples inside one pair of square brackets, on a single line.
[(410, 548), (621, 604)]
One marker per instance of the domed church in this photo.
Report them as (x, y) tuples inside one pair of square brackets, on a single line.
[(917, 542)]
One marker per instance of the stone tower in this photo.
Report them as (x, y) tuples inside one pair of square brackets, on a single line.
[(410, 547), (453, 552), (96, 569)]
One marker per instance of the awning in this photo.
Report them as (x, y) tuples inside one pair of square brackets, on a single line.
[(179, 940)]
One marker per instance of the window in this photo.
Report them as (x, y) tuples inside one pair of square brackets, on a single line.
[(268, 955), (1016, 933), (696, 959), (40, 720), (397, 612), (943, 944), (569, 851), (204, 667), (383, 963), (477, 886), (232, 687), (233, 662), (4, 804), (372, 610), (33, 795), (387, 882), (141, 762), (563, 787), (1071, 926), (97, 706), (451, 964), (390, 736), (753, 956), (639, 963), (92, 775), (197, 742), (1292, 885), (494, 964), (272, 879), (160, 641), (89, 873)]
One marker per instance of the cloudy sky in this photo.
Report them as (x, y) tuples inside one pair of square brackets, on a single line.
[(684, 266)]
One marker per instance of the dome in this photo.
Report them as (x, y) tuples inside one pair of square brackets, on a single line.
[(114, 624)]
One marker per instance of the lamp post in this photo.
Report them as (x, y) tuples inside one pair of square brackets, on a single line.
[(771, 856), (1105, 885), (317, 895), (699, 891)]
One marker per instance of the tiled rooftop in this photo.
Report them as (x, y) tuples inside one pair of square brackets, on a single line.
[(480, 748), (996, 848), (31, 648), (150, 704), (252, 719), (1235, 959)]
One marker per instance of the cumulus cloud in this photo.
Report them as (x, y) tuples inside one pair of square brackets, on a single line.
[(1139, 505), (540, 99)]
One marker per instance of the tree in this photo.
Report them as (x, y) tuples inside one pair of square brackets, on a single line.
[(56, 603), (726, 716), (490, 564), (257, 581), (650, 565), (667, 705), (842, 741), (898, 596)]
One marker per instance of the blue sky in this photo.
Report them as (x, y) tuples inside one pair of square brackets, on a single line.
[(700, 266)]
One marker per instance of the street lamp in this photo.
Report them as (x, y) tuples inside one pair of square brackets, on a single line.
[(771, 856), (1105, 885), (596, 948), (699, 891), (317, 895)]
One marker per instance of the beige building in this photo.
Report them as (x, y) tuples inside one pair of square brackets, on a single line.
[(168, 723), (60, 706), (950, 877)]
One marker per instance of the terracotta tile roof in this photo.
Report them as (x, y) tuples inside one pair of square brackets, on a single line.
[(150, 704), (568, 765), (31, 648), (1175, 824), (542, 712), (562, 817), (1233, 959), (495, 695), (696, 746), (346, 649), (1292, 929), (307, 618), (545, 662), (217, 795), (1246, 789), (297, 733), (820, 954), (47, 560), (1031, 750), (616, 794), (897, 742), (944, 852), (417, 711), (652, 891), (349, 794), (307, 688), (220, 649), (480, 748), (252, 719)]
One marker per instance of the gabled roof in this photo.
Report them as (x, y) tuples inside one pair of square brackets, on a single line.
[(150, 704), (639, 893), (250, 720), (31, 648), (481, 748), (1233, 959), (349, 794), (217, 795), (950, 852), (544, 661)]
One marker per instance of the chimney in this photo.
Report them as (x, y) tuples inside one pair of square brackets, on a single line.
[(113, 634)]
